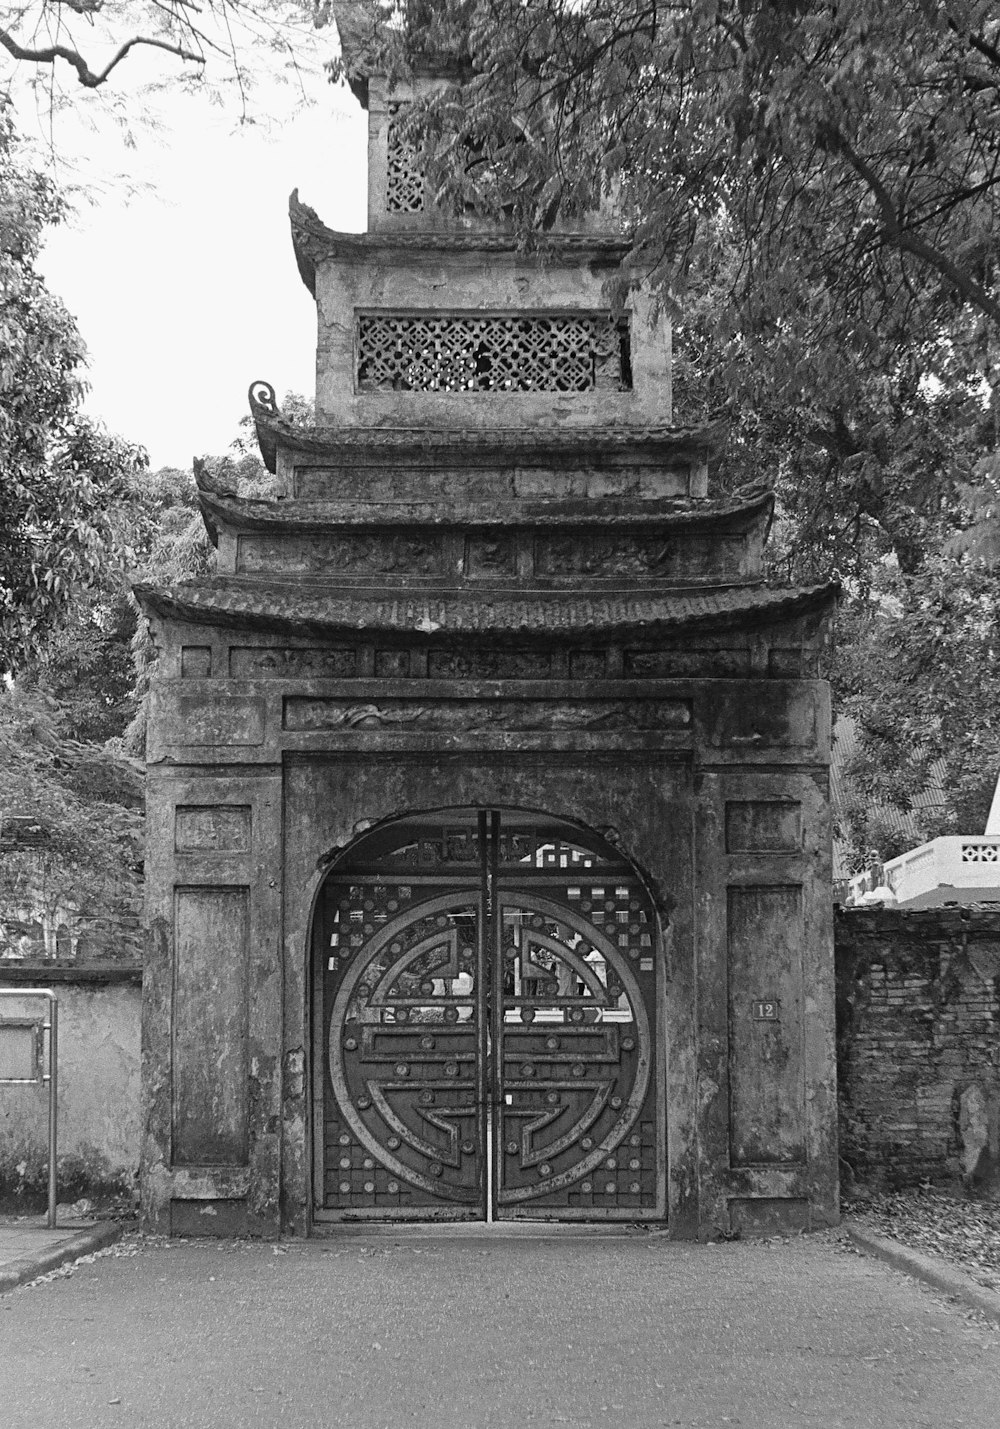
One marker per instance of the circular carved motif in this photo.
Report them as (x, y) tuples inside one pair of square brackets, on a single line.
[(606, 1097)]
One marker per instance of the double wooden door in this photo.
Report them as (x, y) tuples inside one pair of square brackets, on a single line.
[(487, 988)]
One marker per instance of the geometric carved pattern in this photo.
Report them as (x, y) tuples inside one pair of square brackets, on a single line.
[(465, 1009), (501, 353), (404, 179), (980, 853)]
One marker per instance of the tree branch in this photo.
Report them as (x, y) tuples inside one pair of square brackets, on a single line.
[(89, 78), (904, 238)]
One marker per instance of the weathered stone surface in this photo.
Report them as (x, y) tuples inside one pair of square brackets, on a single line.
[(488, 586)]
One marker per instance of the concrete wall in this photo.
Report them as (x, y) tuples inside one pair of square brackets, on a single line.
[(99, 1098), (918, 1012)]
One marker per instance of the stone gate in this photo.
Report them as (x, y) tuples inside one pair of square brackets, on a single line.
[(489, 846)]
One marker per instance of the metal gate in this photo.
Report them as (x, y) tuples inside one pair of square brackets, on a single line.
[(488, 986)]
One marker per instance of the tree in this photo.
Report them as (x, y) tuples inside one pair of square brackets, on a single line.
[(922, 677), (60, 469), (85, 41), (854, 149)]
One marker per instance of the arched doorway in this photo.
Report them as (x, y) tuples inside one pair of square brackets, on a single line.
[(487, 987)]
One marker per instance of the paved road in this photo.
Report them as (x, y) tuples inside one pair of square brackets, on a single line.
[(498, 1333)]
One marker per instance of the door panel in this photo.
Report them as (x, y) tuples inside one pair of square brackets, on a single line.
[(404, 1129), (576, 1064), (489, 1020)]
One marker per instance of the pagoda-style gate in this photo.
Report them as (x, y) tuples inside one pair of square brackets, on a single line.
[(489, 852)]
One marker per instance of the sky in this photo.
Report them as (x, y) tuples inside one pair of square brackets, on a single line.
[(179, 267)]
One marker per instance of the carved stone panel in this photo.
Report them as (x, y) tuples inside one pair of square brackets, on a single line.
[(392, 664), (588, 664), (681, 664), (212, 828), (631, 555), (350, 553), (252, 662), (764, 826), (494, 554), (766, 1089), (489, 664), (303, 713), (196, 662), (210, 1025), (219, 719)]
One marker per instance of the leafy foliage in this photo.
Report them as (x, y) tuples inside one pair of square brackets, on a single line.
[(921, 672), (61, 471)]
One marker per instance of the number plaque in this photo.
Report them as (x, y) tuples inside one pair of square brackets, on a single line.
[(765, 1009)]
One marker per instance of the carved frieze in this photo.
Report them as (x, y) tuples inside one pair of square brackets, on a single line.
[(341, 553), (492, 554), (686, 664), (253, 662), (636, 555), (305, 713), (489, 664)]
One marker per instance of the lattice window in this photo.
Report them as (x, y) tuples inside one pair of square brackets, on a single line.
[(404, 178), (499, 353), (980, 853)]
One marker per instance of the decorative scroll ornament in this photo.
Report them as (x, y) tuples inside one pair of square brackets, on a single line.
[(262, 399)]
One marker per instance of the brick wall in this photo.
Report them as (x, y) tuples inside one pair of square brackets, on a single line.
[(918, 1034)]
